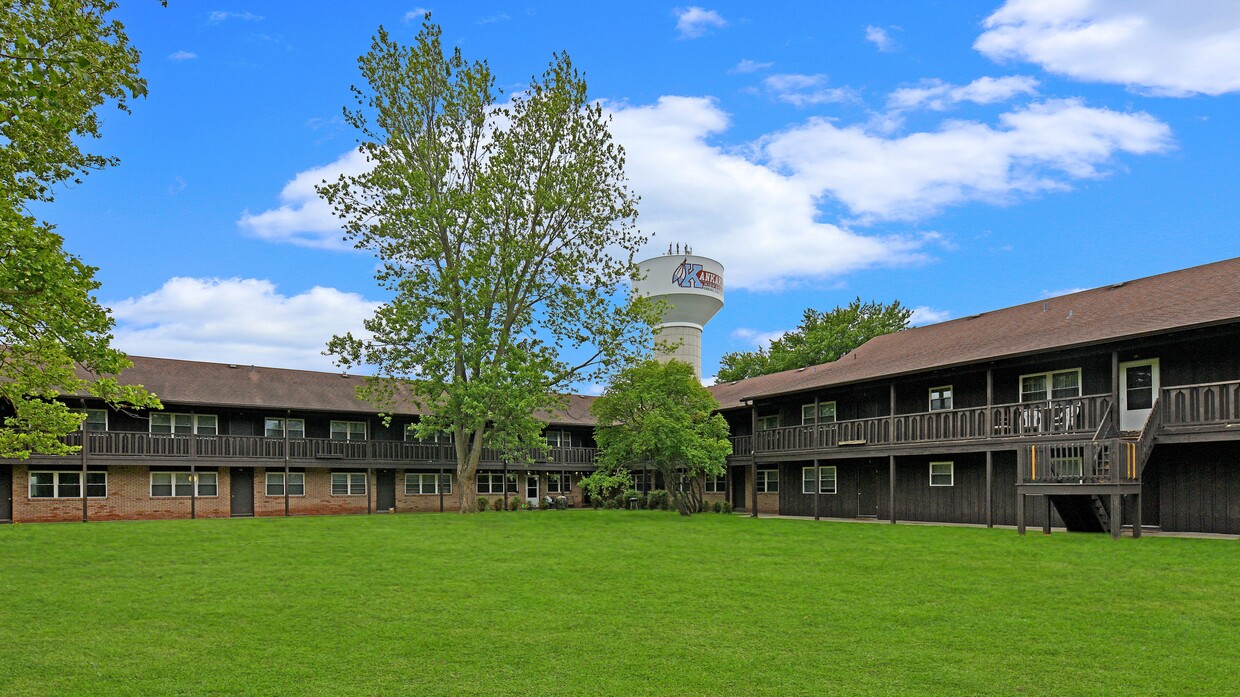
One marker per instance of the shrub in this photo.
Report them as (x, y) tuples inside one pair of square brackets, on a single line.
[(725, 507), (596, 502), (483, 503), (657, 499), (498, 504), (611, 504), (717, 507), (643, 501), (514, 503)]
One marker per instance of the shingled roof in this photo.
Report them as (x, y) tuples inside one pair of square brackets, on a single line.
[(1201, 296), (243, 386)]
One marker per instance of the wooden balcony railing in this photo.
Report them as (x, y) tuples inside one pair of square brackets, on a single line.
[(1199, 405), (173, 447), (742, 446), (1075, 415), (1107, 461)]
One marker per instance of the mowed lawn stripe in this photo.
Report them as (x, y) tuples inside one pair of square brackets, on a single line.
[(590, 602)]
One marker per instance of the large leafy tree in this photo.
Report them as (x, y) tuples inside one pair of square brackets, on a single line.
[(822, 337), (658, 415), (59, 62), (505, 234)]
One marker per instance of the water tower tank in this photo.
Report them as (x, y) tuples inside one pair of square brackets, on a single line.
[(693, 288)]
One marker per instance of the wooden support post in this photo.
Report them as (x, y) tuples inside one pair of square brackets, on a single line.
[(753, 457), (817, 482), (1136, 516), (287, 414), (1046, 511), (370, 471), (990, 494), (1020, 514), (990, 403), (85, 447), (193, 490), (439, 488), (753, 480), (505, 486), (891, 414), (1114, 390), (891, 478), (1117, 514)]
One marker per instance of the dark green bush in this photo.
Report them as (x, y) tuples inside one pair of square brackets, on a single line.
[(657, 499), (514, 503), (483, 503), (717, 507), (611, 504), (498, 504), (725, 506)]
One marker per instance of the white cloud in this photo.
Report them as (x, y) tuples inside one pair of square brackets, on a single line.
[(757, 338), (938, 95), (747, 66), (238, 320), (416, 14), (927, 315), (495, 18), (880, 38), (183, 56), (1154, 46), (1037, 148), (303, 218), (804, 90), (693, 22), (1061, 291), (220, 16)]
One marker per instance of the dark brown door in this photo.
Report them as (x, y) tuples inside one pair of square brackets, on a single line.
[(738, 488), (385, 490), (6, 493), (241, 486), (867, 490)]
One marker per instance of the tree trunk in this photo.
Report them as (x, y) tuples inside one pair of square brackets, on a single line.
[(467, 475)]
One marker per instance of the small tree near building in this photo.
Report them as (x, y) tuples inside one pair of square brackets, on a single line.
[(659, 415)]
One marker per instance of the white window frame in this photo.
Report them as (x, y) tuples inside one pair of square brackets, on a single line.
[(285, 426), (764, 420), (563, 439), (807, 479), (950, 398), (418, 480), (951, 473), (94, 412), (1057, 464), (348, 430), (1049, 376), (293, 478), (440, 437), (195, 481), (492, 477), (56, 484), (351, 486), (194, 425), (768, 477), (716, 484), (807, 413), (562, 483)]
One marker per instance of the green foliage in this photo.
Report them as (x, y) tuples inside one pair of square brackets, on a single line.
[(499, 504), (725, 506), (505, 234), (514, 503), (717, 507), (483, 503), (605, 483), (657, 499), (659, 413), (611, 503), (822, 337)]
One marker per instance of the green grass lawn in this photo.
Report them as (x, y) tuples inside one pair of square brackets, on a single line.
[(608, 602)]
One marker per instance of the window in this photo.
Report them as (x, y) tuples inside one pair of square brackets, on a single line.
[(941, 398), (1040, 387), (559, 483), (716, 485), (1139, 386), (1067, 467), (942, 473), (175, 484), (768, 481), (348, 430), (643, 480), (411, 436), (559, 439), (184, 424), (424, 483), (96, 419), (67, 485), (296, 483), (766, 423), (348, 483), (826, 479), (274, 428), (493, 483), (826, 413)]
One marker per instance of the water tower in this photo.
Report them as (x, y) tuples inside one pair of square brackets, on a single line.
[(693, 288)]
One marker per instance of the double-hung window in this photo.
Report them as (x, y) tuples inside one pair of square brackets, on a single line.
[(179, 484), (426, 483), (184, 424), (559, 483), (1060, 384), (348, 430), (942, 473), (941, 398), (826, 479), (766, 423), (296, 483), (348, 483), (411, 436), (96, 419), (274, 428), (559, 439), (716, 485), (826, 413), (768, 481), (67, 485), (493, 483)]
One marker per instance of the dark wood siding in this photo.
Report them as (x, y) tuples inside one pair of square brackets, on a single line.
[(1198, 487)]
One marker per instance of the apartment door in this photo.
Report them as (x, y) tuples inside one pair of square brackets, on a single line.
[(867, 490), (6, 493), (241, 491), (738, 488), (1138, 388), (531, 489), (385, 490)]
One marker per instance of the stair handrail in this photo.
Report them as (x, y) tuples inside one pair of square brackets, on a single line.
[(1145, 445), (1104, 424)]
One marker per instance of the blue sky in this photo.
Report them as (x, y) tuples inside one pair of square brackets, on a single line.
[(957, 156)]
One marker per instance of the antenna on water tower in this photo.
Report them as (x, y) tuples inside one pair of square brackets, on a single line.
[(693, 287)]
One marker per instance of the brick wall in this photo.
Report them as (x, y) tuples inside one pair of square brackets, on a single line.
[(129, 498), (318, 499)]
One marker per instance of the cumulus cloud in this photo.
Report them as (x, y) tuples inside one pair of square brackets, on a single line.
[(416, 14), (221, 16), (927, 315), (1153, 46), (1061, 291), (880, 38), (1041, 147), (805, 90), (756, 337), (238, 320), (939, 96), (183, 56), (694, 21), (303, 218), (747, 66)]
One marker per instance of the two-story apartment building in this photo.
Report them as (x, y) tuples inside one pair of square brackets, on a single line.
[(1117, 405)]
